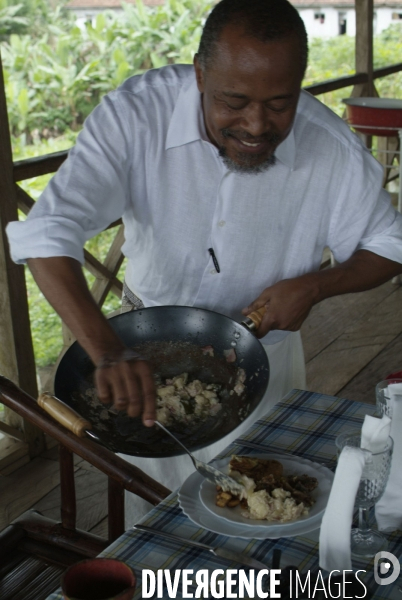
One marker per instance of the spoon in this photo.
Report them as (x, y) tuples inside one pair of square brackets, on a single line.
[(224, 481)]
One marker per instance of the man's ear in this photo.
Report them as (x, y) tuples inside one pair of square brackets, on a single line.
[(199, 74)]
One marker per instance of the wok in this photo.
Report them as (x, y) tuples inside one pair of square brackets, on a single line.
[(172, 338)]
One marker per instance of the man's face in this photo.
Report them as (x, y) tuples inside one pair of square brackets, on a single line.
[(249, 97)]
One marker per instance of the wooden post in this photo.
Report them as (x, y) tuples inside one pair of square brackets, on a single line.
[(364, 46), (67, 488), (115, 509), (16, 351)]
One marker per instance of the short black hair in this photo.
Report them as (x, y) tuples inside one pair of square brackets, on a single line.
[(265, 20)]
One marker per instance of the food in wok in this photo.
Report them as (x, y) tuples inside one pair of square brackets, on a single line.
[(183, 399), (175, 339)]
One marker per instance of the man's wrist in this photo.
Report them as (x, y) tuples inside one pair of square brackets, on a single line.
[(315, 286), (111, 359)]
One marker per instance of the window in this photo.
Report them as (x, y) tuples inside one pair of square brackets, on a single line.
[(342, 23), (396, 16), (319, 16)]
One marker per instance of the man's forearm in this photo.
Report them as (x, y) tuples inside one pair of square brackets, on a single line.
[(363, 271), (63, 284), (288, 302)]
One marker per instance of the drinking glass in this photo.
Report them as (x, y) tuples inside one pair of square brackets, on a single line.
[(383, 401), (364, 540)]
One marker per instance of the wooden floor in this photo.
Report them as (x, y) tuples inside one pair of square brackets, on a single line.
[(351, 342)]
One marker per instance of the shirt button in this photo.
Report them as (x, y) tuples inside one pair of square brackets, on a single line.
[(222, 223), (213, 271)]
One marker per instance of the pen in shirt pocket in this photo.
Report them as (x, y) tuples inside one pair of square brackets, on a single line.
[(214, 259)]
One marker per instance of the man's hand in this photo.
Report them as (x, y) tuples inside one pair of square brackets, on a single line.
[(287, 304), (119, 378), (128, 383)]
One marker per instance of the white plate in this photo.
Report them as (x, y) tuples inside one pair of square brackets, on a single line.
[(193, 508), (292, 465)]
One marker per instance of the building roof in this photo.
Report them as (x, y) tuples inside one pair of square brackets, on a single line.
[(316, 4), (105, 4), (343, 3)]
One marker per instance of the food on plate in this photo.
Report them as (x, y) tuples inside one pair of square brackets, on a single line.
[(184, 400), (268, 494)]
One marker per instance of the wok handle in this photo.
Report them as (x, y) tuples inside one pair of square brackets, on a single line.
[(253, 320), (65, 415)]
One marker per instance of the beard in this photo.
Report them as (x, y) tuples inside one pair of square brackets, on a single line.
[(245, 163)]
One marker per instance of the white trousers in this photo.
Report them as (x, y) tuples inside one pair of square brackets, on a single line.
[(287, 371)]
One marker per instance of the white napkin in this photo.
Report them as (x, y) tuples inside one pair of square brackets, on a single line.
[(375, 433), (336, 524), (388, 510)]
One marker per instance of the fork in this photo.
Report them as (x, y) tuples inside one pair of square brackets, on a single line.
[(226, 482)]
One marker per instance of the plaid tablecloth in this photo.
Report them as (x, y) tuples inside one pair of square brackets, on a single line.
[(304, 424)]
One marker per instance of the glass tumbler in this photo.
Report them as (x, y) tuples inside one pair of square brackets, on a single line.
[(366, 542), (383, 401)]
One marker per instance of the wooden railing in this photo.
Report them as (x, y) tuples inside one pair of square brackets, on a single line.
[(106, 272)]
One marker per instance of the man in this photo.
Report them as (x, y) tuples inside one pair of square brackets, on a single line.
[(230, 156)]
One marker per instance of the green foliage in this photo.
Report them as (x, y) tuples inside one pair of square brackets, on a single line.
[(32, 17), (45, 325), (329, 59), (11, 20), (55, 80)]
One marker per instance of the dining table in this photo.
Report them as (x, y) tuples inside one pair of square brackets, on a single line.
[(304, 424)]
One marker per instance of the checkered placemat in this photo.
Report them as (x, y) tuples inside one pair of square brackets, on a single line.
[(305, 424)]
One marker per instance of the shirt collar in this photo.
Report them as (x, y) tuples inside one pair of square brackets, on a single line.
[(187, 125), (187, 122)]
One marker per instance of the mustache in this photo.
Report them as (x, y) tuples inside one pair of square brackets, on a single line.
[(272, 138)]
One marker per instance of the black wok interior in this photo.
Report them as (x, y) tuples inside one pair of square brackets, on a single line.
[(172, 338)]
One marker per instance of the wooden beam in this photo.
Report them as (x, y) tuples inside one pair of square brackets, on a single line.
[(384, 71), (133, 479), (113, 262), (336, 84), (12, 451), (17, 359), (24, 200), (364, 45), (12, 432), (39, 165), (67, 488), (97, 269), (115, 509)]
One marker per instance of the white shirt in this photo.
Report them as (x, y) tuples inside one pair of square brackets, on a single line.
[(144, 155)]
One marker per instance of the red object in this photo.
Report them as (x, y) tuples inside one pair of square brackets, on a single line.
[(397, 375), (98, 579), (374, 116)]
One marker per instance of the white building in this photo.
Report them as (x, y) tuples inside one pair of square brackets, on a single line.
[(329, 18), (323, 18)]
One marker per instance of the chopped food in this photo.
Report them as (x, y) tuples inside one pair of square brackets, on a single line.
[(269, 494), (183, 400), (239, 383), (230, 355), (208, 350)]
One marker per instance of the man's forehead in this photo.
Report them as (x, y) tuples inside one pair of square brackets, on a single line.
[(243, 53)]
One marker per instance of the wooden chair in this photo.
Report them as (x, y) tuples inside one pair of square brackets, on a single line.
[(35, 550)]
